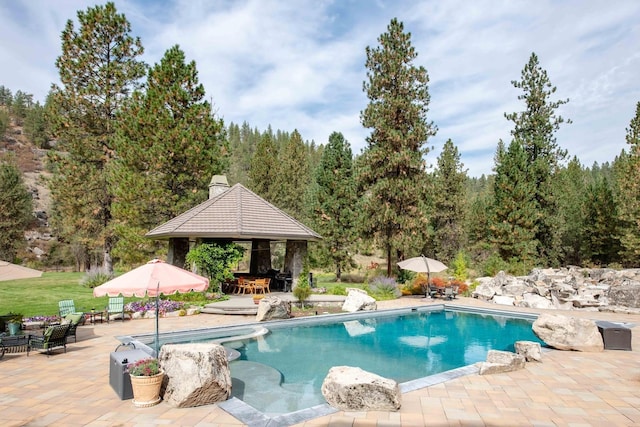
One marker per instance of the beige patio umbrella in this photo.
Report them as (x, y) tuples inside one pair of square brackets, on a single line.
[(422, 264)]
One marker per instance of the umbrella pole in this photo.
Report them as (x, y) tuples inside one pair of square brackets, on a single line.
[(157, 321), (428, 292)]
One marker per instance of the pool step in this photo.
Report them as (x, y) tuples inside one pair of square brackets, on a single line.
[(261, 386), (230, 310)]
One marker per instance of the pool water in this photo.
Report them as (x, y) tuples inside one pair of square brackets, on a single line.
[(283, 370)]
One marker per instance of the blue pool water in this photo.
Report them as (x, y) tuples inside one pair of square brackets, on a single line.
[(402, 347)]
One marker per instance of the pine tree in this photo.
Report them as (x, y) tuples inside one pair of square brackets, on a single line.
[(628, 197), (16, 209), (535, 129), (332, 201), (513, 228), (569, 187), (601, 244), (391, 171), (449, 204), (99, 67), (168, 147), (292, 178), (264, 167), (35, 126)]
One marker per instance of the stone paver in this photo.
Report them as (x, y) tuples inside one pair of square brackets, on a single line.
[(567, 389)]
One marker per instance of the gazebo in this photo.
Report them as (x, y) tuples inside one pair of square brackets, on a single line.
[(237, 214)]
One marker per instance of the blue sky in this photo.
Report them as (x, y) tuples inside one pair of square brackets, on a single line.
[(299, 64)]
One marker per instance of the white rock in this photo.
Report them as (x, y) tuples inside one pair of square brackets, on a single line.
[(568, 333), (353, 389), (358, 300), (195, 374)]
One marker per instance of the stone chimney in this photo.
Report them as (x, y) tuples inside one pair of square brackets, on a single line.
[(218, 185)]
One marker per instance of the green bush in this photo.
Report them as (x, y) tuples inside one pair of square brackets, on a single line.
[(460, 266), (337, 290), (302, 292), (215, 261), (494, 264), (95, 277)]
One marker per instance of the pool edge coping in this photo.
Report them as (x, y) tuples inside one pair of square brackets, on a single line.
[(252, 417)]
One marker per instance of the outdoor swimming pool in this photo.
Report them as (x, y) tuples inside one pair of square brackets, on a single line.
[(282, 371)]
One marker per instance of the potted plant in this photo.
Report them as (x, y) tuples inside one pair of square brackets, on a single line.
[(146, 380), (14, 326)]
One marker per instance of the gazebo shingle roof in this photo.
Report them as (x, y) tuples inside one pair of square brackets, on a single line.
[(238, 213)]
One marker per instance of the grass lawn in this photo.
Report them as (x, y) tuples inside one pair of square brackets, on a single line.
[(40, 296)]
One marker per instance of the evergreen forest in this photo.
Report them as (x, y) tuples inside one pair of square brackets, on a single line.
[(130, 145)]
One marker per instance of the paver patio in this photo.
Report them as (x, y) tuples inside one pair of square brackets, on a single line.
[(567, 389)]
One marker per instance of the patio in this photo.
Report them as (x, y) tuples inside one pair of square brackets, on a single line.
[(568, 388)]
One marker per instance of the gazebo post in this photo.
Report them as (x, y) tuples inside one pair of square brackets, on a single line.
[(294, 257)]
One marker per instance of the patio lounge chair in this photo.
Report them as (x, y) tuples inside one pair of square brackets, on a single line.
[(54, 337), (73, 320), (116, 306), (65, 307)]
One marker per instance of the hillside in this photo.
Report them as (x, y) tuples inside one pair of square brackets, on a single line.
[(31, 161)]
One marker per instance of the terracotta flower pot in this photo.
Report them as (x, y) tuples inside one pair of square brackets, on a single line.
[(146, 390)]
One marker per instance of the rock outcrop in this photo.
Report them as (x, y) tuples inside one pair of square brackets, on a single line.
[(565, 288), (271, 308), (353, 389), (568, 333), (358, 300), (195, 374)]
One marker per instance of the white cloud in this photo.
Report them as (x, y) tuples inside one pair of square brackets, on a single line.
[(300, 64)]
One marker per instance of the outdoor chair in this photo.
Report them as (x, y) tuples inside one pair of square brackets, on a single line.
[(245, 284), (73, 320), (65, 307), (116, 306), (261, 285), (54, 337), (433, 291), (448, 292)]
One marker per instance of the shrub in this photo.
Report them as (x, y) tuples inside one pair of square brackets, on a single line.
[(460, 266), (419, 285), (95, 277), (494, 264), (463, 288), (215, 261), (338, 290), (438, 282), (382, 288)]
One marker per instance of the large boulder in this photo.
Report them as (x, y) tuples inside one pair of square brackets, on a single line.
[(626, 294), (273, 307), (504, 300), (535, 301), (568, 333), (195, 374), (353, 389), (532, 351), (501, 361), (358, 300)]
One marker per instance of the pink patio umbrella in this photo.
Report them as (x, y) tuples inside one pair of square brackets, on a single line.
[(152, 279)]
